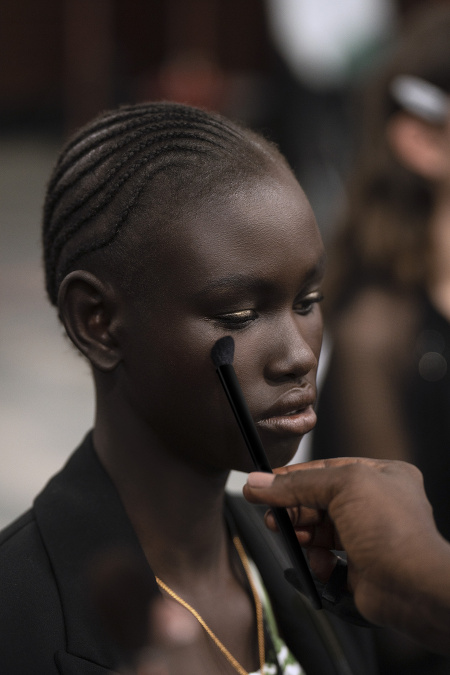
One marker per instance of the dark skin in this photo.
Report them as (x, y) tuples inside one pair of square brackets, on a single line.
[(248, 263)]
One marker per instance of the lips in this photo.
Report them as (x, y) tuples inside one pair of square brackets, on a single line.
[(292, 415)]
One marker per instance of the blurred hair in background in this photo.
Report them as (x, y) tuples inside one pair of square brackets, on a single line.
[(386, 391)]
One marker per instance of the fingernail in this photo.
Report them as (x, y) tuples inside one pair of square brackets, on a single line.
[(259, 479)]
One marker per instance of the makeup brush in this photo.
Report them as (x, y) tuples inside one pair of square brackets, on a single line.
[(222, 355)]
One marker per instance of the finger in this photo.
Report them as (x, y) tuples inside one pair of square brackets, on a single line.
[(304, 534), (315, 529), (313, 488), (312, 484), (301, 516), (322, 562), (334, 462), (324, 535)]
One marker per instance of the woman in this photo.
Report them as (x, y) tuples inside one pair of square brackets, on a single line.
[(166, 228)]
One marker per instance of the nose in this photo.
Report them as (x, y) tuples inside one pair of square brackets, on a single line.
[(293, 349)]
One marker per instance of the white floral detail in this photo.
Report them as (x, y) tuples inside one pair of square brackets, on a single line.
[(286, 660)]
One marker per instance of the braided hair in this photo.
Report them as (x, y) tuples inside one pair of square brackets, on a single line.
[(175, 153)]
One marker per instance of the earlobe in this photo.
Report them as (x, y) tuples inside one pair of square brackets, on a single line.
[(417, 145), (88, 310)]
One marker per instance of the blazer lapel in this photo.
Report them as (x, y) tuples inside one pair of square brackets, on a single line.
[(80, 515)]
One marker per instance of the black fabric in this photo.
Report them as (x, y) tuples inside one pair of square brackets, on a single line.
[(73, 665), (46, 623)]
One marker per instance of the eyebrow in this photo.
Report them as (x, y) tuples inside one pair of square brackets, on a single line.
[(248, 282), (233, 282)]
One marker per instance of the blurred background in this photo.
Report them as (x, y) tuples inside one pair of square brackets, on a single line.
[(288, 68)]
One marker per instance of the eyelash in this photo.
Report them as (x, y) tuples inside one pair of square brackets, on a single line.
[(309, 301), (243, 317), (238, 319)]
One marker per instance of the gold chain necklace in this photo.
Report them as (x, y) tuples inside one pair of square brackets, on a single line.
[(259, 614)]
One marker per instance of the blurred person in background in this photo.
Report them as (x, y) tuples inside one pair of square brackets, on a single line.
[(324, 48), (386, 392)]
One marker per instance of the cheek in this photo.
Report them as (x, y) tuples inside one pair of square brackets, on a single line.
[(178, 381), (175, 389)]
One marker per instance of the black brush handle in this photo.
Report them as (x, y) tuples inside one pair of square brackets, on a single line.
[(232, 388), (240, 409)]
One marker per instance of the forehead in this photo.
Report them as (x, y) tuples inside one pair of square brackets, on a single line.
[(264, 227)]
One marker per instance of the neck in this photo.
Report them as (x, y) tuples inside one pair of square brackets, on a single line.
[(175, 508)]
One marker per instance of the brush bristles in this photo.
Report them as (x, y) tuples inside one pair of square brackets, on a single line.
[(223, 351)]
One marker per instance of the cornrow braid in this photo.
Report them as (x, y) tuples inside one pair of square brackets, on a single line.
[(103, 170)]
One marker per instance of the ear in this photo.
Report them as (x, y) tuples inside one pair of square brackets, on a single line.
[(418, 145), (89, 312)]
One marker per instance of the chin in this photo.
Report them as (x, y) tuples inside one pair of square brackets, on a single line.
[(279, 453), (277, 458), (280, 456)]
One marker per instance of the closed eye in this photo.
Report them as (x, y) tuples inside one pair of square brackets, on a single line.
[(305, 305), (237, 319)]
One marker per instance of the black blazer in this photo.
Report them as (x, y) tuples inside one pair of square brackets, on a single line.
[(46, 623)]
